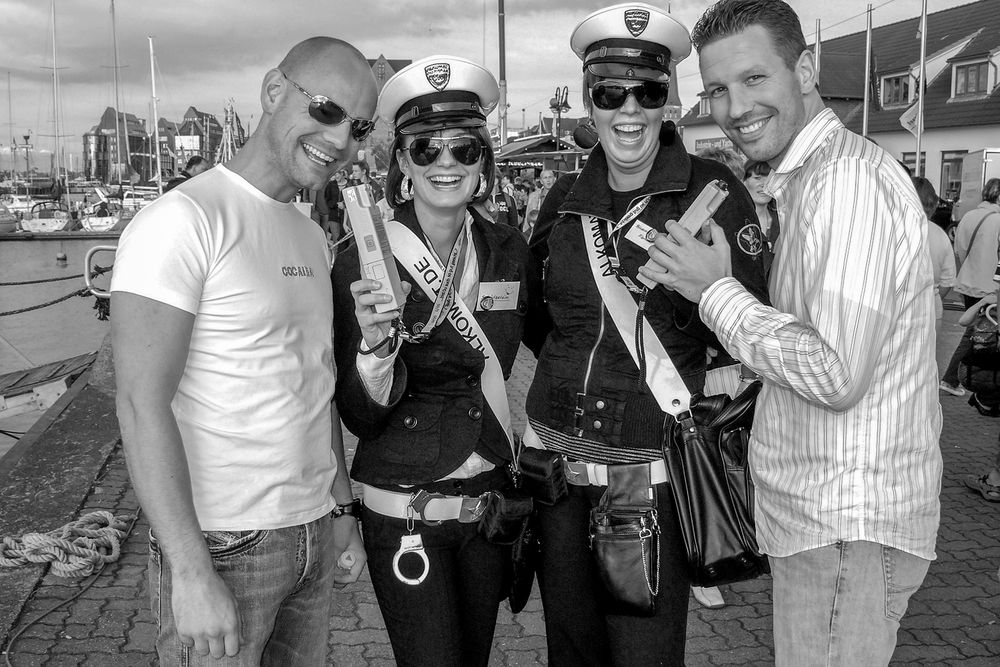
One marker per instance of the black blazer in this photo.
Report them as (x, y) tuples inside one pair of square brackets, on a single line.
[(437, 414)]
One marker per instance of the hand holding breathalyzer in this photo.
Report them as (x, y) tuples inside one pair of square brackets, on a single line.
[(695, 217)]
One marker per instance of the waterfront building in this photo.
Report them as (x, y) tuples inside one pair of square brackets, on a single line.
[(102, 145)]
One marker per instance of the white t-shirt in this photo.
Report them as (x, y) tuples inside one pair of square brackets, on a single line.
[(253, 405), (943, 263)]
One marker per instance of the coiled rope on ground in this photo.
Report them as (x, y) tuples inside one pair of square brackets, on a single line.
[(77, 549)]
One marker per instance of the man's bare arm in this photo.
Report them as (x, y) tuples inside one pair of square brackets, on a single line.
[(150, 341)]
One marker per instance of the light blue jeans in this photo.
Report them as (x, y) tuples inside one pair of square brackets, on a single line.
[(282, 580), (841, 604)]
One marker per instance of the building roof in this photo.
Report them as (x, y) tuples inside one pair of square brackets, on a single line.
[(135, 126), (896, 49)]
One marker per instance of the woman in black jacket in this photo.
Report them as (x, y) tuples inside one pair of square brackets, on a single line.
[(423, 387), (589, 402)]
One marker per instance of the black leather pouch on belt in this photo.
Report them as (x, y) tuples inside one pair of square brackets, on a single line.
[(624, 538), (505, 516), (543, 475)]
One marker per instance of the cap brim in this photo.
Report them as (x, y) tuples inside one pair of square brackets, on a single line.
[(443, 121), (614, 70)]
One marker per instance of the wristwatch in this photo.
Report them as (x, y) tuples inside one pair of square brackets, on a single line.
[(353, 508)]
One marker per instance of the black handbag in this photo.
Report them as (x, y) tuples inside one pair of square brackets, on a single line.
[(625, 541), (706, 458)]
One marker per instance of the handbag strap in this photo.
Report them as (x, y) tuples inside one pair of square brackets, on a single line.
[(662, 377), (412, 254)]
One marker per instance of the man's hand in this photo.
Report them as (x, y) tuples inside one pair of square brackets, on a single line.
[(206, 615), (347, 539), (684, 264)]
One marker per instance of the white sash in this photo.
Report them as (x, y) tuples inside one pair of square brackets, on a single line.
[(661, 375), (425, 271)]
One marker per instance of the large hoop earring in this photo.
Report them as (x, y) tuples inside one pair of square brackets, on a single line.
[(481, 190), (406, 188)]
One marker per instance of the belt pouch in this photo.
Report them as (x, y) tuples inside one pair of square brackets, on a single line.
[(505, 516), (542, 475), (624, 538)]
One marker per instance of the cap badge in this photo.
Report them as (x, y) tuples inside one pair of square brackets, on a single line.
[(438, 75), (636, 21)]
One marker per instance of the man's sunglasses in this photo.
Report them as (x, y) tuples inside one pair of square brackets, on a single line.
[(425, 150), (326, 111), (649, 94)]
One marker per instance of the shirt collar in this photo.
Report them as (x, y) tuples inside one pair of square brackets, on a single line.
[(803, 145)]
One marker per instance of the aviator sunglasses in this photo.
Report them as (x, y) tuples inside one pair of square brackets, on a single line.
[(425, 150), (649, 94), (326, 111)]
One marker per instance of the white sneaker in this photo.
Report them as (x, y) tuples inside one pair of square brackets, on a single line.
[(957, 390), (709, 597)]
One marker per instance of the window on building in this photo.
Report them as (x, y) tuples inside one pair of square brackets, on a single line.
[(909, 159), (951, 174), (971, 79), (703, 107), (896, 90)]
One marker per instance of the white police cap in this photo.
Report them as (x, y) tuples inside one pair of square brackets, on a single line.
[(616, 41), (438, 92)]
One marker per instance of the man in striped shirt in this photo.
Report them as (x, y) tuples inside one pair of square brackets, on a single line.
[(845, 446)]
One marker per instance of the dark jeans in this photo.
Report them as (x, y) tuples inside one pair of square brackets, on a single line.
[(578, 631), (449, 618), (964, 345)]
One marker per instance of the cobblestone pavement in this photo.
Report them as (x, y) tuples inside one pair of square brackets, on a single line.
[(952, 620)]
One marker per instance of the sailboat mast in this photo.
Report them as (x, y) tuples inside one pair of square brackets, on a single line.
[(156, 119), (58, 176), (118, 133)]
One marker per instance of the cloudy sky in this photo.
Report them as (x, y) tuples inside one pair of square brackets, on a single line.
[(208, 51)]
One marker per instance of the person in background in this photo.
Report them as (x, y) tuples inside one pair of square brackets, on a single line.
[(223, 335), (502, 207), (547, 179), (755, 175), (195, 165), (726, 156), (976, 241), (588, 401), (361, 175), (844, 449), (942, 253), (423, 395), (328, 209)]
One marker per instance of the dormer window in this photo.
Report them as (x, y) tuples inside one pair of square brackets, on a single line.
[(896, 90), (971, 79), (703, 107)]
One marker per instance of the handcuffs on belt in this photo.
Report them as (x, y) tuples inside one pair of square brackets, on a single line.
[(412, 543)]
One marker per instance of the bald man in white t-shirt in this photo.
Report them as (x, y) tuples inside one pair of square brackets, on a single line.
[(223, 354)]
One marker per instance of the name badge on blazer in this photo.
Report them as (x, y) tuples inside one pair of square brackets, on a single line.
[(498, 295)]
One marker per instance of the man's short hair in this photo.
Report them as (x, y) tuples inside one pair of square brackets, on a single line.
[(991, 191), (728, 17), (194, 161), (927, 195)]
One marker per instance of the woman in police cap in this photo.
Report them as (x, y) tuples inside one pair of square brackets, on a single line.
[(589, 402), (423, 386)]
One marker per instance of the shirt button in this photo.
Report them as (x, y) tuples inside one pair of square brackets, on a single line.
[(472, 381), (475, 414), (597, 424), (458, 484), (601, 405), (410, 421)]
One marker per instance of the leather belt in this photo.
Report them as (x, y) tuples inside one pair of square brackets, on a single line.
[(431, 508), (579, 473)]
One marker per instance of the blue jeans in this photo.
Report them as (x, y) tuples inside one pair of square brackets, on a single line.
[(282, 581), (841, 604)]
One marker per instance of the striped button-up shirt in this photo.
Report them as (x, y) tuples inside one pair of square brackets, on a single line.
[(845, 441)]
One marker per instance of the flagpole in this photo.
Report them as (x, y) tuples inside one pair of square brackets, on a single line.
[(816, 51), (921, 84), (868, 73)]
